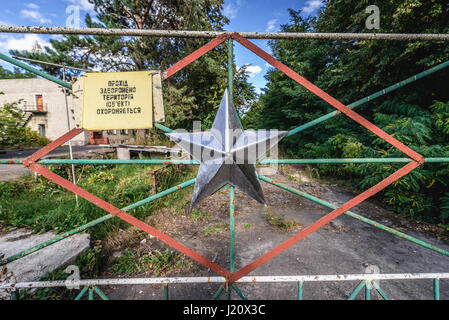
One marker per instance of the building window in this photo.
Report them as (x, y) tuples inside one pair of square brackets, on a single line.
[(42, 129), (123, 132)]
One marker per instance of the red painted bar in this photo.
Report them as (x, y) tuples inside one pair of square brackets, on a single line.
[(326, 97), (194, 56), (323, 221)]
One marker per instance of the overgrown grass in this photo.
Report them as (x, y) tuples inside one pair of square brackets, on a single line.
[(279, 222), (156, 262), (42, 205)]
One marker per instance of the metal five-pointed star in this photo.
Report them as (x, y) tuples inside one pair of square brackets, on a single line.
[(227, 154)]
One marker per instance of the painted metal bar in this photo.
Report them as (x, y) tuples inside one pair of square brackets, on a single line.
[(436, 288), (367, 291), (91, 293), (195, 55), (300, 287), (34, 70), (194, 162), (230, 71), (323, 221), (232, 228), (370, 97), (329, 99), (330, 161), (218, 293), (50, 64), (162, 127), (216, 279), (79, 296), (382, 294), (356, 290), (166, 291), (51, 146), (101, 293), (130, 219), (356, 216), (213, 34), (239, 292), (95, 222), (231, 235)]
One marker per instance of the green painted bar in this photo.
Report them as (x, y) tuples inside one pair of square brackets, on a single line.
[(91, 293), (239, 292), (218, 293), (232, 228), (101, 293), (35, 71), (95, 222), (356, 290), (117, 162), (325, 161), (300, 285), (231, 233), (230, 73), (382, 294), (356, 216), (81, 294), (162, 127), (166, 292), (436, 288), (367, 291), (370, 97)]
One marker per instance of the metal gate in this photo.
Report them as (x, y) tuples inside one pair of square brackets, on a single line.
[(229, 278)]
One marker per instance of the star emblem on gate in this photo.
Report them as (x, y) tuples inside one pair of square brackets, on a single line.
[(227, 154), (416, 161)]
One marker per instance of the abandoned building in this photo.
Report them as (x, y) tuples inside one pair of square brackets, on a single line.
[(44, 109)]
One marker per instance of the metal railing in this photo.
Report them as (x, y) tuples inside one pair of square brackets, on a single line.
[(368, 281), (43, 108)]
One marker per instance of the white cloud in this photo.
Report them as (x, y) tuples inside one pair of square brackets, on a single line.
[(271, 25), (312, 5), (251, 70), (83, 4), (34, 15), (32, 6), (231, 9), (27, 42)]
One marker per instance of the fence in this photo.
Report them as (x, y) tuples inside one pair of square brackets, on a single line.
[(230, 278)]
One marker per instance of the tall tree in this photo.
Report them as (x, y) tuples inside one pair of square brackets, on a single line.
[(350, 70)]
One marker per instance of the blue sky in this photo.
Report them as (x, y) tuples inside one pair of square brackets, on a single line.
[(245, 15)]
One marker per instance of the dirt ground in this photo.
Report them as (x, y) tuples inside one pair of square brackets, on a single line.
[(345, 246)]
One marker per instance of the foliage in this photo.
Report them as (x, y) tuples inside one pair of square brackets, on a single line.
[(156, 261), (16, 73), (279, 222), (43, 205), (13, 132), (417, 114)]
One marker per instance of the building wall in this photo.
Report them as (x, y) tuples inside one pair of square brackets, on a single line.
[(55, 119)]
